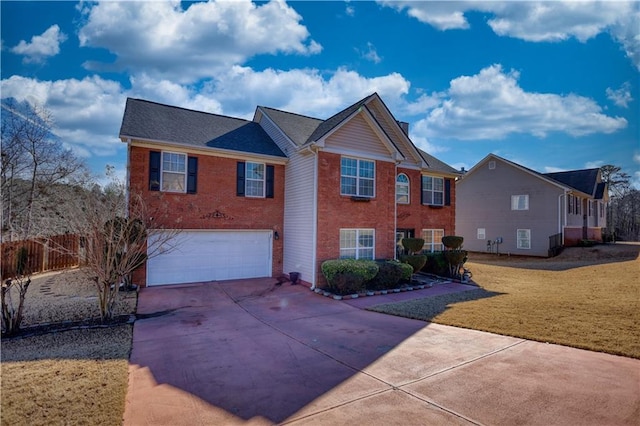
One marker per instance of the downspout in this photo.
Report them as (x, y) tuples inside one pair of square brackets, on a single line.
[(126, 186), (395, 212), (564, 194), (314, 152)]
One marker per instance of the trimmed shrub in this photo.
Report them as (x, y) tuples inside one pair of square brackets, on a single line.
[(389, 275), (413, 245), (436, 264), (455, 258), (346, 283), (452, 242), (417, 261), (407, 271), (347, 276)]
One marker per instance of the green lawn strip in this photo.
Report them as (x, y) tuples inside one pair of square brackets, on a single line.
[(74, 377)]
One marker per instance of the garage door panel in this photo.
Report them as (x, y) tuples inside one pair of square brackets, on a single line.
[(212, 255)]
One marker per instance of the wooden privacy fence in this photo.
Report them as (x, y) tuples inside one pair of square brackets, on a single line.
[(59, 252)]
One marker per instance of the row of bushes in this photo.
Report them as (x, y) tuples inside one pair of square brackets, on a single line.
[(350, 276)]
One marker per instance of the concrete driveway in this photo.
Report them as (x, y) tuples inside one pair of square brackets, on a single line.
[(248, 351)]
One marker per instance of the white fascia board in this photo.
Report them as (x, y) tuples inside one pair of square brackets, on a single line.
[(214, 152)]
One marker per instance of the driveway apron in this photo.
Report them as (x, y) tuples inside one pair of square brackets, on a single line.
[(249, 351)]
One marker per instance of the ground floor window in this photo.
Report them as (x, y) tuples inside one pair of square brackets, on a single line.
[(433, 239), (482, 234), (357, 243), (524, 238)]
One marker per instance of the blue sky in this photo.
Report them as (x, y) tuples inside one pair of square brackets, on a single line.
[(550, 85)]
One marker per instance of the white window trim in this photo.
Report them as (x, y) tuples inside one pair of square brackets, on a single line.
[(247, 179), (482, 233), (406, 184), (433, 191), (358, 178), (515, 202), (528, 240), (432, 245), (162, 172), (357, 248)]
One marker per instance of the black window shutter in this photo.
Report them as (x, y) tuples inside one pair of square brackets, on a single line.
[(192, 175), (447, 192), (421, 189), (270, 178), (154, 170), (240, 179)]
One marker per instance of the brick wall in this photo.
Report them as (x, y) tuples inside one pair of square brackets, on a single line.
[(337, 211), (214, 206), (418, 217)]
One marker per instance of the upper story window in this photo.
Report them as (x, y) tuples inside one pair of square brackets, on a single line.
[(433, 190), (402, 189), (174, 172), (357, 177), (519, 202), (357, 243), (254, 179)]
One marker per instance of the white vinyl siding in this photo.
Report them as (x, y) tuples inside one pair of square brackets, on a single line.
[(523, 237), (298, 231), (432, 239), (519, 202), (357, 244), (174, 172), (357, 136)]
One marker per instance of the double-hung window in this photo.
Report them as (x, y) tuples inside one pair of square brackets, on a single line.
[(357, 177), (254, 180), (402, 189), (433, 190), (519, 202), (357, 243), (432, 239), (174, 172), (523, 238)]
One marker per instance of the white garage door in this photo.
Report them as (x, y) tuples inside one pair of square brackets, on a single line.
[(212, 256)]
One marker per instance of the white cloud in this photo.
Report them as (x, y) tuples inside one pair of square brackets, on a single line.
[(185, 45), (491, 105), (370, 54), (41, 46), (594, 164), (87, 113), (547, 21), (622, 96)]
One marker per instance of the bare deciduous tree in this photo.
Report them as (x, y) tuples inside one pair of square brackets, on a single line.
[(36, 167), (116, 227)]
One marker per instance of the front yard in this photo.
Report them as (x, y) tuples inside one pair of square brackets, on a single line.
[(586, 298), (67, 377)]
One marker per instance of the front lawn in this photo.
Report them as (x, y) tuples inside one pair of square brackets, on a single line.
[(74, 377), (586, 298)]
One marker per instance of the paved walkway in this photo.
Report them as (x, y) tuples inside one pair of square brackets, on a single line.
[(251, 352)]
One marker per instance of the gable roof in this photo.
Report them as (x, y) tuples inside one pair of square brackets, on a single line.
[(154, 122), (583, 180), (298, 128), (437, 165), (565, 180)]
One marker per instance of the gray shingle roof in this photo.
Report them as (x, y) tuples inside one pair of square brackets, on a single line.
[(298, 128), (163, 123), (583, 180), (437, 165)]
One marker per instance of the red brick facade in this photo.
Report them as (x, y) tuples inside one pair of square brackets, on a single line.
[(215, 205), (336, 211)]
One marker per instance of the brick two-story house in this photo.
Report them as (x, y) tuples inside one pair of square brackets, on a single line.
[(283, 192)]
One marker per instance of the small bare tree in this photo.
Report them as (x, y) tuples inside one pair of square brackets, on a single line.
[(117, 232), (16, 286)]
